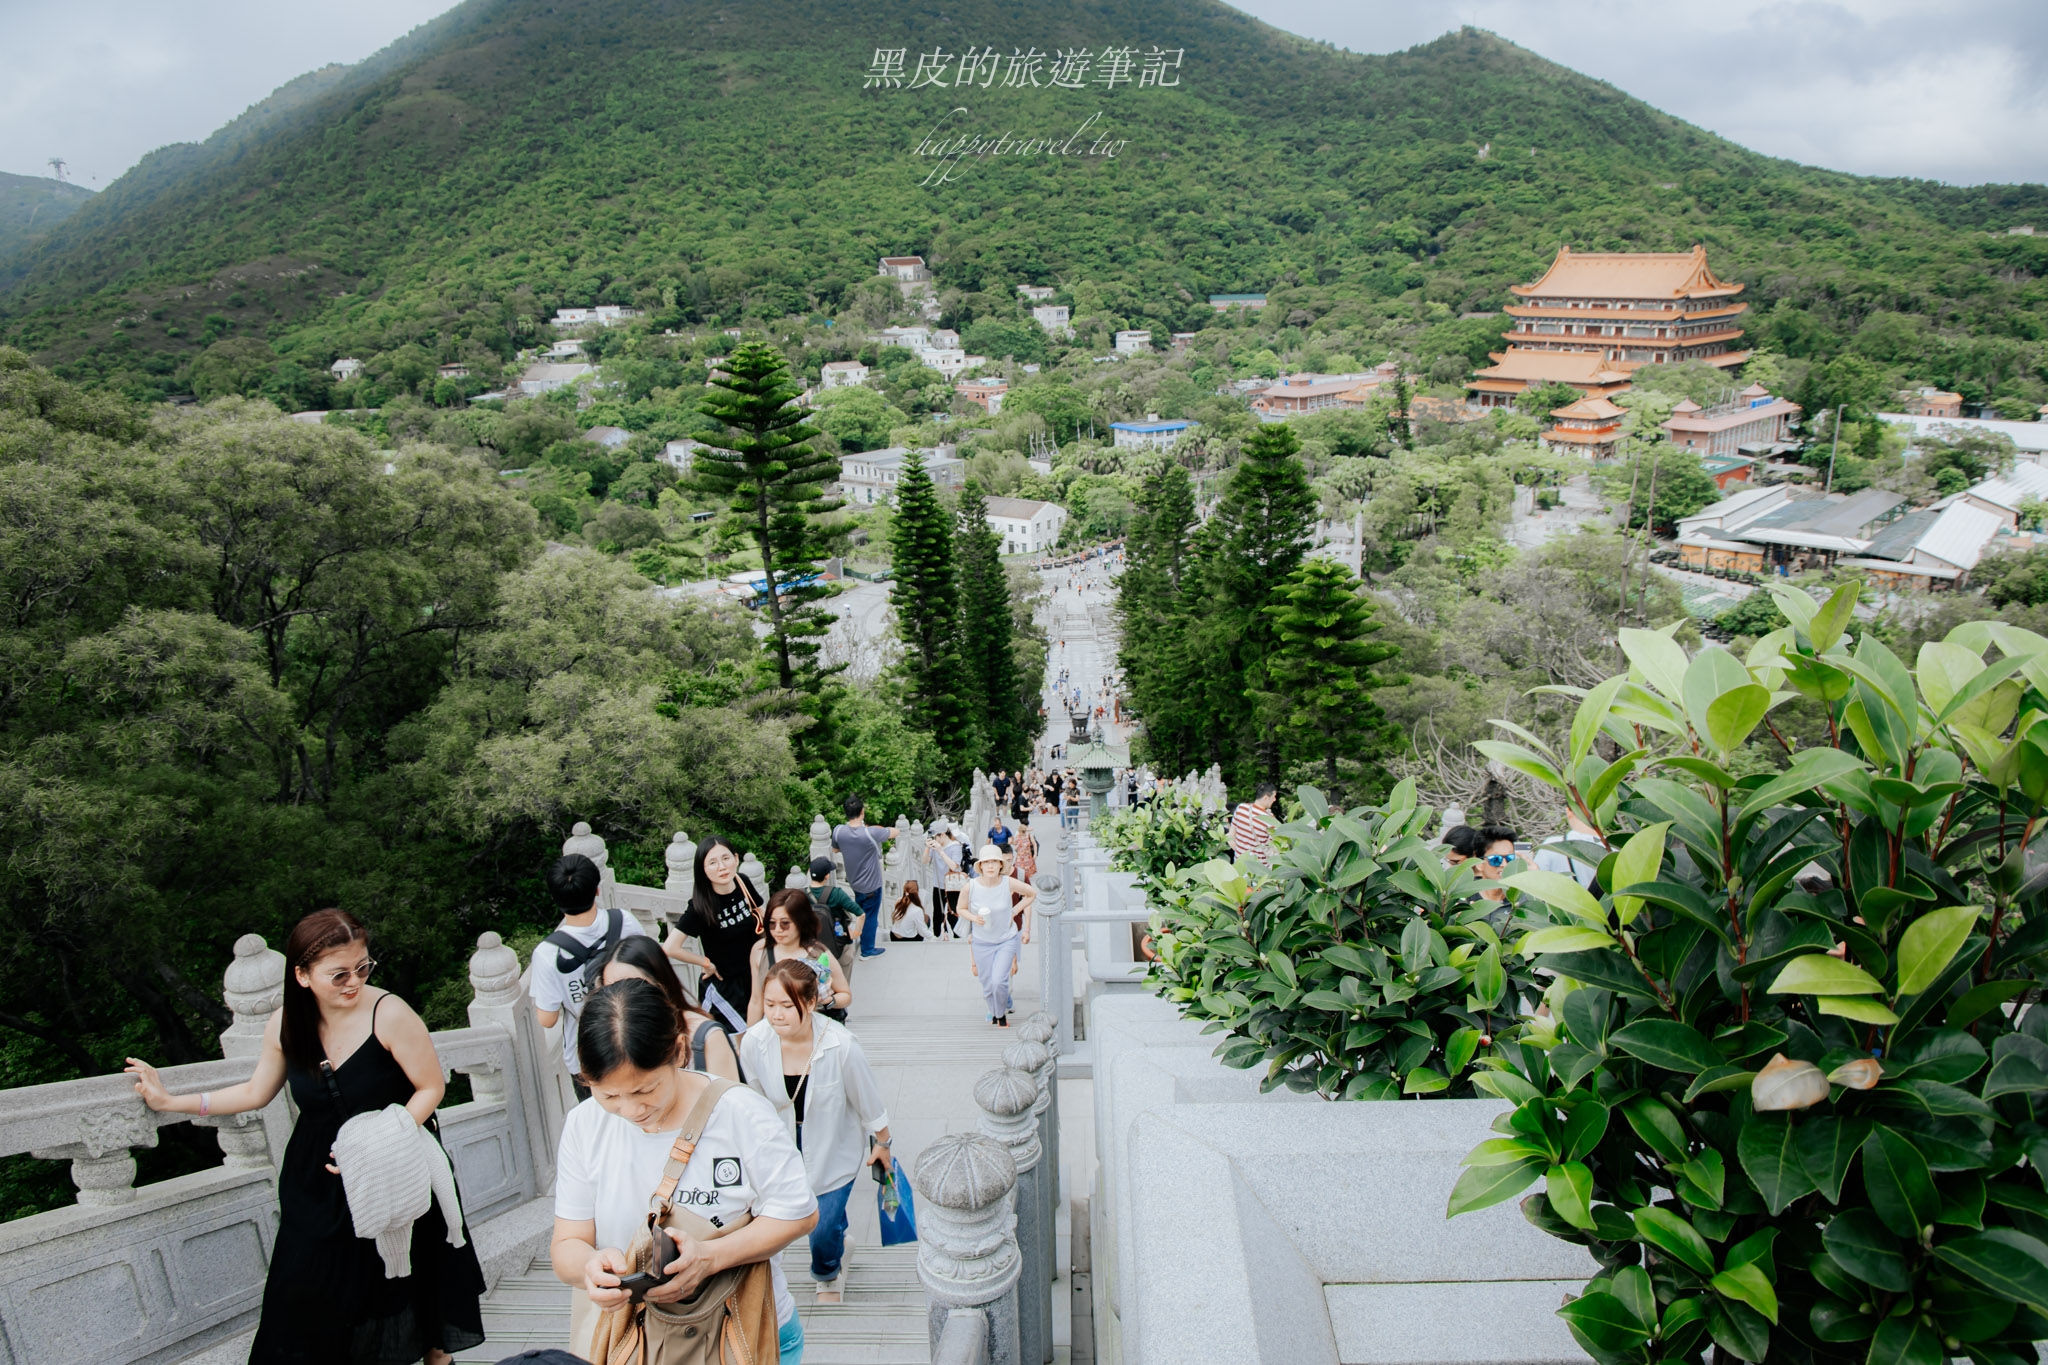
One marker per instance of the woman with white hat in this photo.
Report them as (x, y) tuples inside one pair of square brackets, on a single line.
[(1000, 929)]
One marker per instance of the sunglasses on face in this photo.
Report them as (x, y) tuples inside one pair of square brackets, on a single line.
[(360, 972), (1499, 859)]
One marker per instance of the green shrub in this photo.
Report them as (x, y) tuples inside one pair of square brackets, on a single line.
[(1792, 1116), (1173, 830), (1357, 968)]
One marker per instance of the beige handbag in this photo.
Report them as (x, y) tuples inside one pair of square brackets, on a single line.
[(730, 1320)]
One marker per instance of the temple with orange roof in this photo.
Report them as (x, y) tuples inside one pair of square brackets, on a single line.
[(1591, 426), (1597, 315)]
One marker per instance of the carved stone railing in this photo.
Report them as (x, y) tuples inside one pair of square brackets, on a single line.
[(152, 1273)]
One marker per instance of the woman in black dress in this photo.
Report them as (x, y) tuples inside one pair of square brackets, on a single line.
[(346, 1049)]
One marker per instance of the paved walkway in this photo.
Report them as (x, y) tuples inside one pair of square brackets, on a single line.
[(918, 1014), (1079, 609)]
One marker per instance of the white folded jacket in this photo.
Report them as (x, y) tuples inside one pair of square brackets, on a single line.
[(392, 1170)]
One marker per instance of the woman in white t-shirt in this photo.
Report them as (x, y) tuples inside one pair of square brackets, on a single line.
[(616, 1143)]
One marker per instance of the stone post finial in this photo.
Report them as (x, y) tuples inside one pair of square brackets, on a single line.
[(253, 987), (591, 846), (494, 971), (798, 878), (681, 857), (1006, 1097), (1037, 1028), (966, 1248), (753, 871)]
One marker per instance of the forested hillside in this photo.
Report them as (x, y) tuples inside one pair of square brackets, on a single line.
[(31, 206), (706, 161)]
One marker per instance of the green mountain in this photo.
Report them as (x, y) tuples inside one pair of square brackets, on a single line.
[(703, 159), (31, 206)]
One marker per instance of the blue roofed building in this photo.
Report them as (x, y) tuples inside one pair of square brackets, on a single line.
[(1150, 433)]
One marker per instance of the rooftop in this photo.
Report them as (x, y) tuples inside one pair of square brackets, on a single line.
[(2023, 483), (1543, 367), (2027, 436), (1628, 275), (1175, 424), (1023, 509), (1592, 409)]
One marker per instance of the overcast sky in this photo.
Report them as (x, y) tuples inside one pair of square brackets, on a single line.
[(1948, 89)]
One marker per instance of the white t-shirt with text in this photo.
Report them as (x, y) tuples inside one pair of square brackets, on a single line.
[(607, 1170), (552, 991)]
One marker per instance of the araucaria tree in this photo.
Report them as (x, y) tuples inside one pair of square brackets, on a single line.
[(926, 595), (773, 485), (1154, 606), (1259, 534), (990, 658), (1320, 676)]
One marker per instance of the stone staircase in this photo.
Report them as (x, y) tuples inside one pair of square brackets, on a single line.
[(882, 1321)]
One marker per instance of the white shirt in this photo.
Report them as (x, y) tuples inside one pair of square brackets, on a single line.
[(607, 1169), (842, 1102), (1552, 856), (552, 991)]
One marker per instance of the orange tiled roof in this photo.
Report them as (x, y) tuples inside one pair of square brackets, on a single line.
[(1580, 436), (1628, 275), (1589, 408), (1544, 367)]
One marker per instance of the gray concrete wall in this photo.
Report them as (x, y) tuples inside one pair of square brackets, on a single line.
[(1283, 1228)]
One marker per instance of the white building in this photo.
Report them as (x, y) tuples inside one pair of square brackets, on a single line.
[(904, 269), (345, 369), (871, 476), (842, 374), (951, 362), (1151, 432), (563, 349), (1027, 527), (677, 454), (1133, 343), (545, 378), (603, 315), (611, 438), (2029, 438), (1037, 293), (909, 338), (1054, 318)]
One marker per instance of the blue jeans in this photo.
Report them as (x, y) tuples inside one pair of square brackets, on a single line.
[(828, 1239), (789, 1342), (870, 903)]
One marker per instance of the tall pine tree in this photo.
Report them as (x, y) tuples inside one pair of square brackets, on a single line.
[(1155, 602), (988, 649), (925, 591), (773, 485), (1320, 679), (1257, 537)]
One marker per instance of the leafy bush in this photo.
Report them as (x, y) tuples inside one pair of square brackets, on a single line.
[(1358, 968), (1794, 1117), (1172, 831)]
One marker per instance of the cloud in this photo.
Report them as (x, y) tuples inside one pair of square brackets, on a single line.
[(1950, 91)]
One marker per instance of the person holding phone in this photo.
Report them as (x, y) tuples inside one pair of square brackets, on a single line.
[(615, 1148), (728, 915)]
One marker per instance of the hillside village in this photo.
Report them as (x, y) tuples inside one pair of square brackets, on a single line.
[(1605, 360)]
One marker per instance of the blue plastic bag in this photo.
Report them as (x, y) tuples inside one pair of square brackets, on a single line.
[(899, 1223)]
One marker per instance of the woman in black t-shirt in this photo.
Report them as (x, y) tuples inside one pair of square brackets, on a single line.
[(726, 916)]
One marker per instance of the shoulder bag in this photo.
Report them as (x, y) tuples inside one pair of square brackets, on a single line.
[(730, 1320)]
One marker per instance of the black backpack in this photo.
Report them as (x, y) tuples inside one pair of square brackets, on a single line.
[(579, 960)]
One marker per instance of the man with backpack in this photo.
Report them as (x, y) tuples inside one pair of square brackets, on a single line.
[(839, 917), (564, 963), (862, 846)]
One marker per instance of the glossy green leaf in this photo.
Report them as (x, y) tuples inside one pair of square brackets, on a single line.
[(1979, 1001), (1739, 1330), (1505, 1152), (1859, 1008), (2003, 1260), (1482, 1186), (1560, 892), (1809, 769), (1900, 1186), (1747, 1284), (1424, 1081), (1819, 974), (1827, 1146), (1569, 1186), (1905, 1341), (1673, 1235), (1638, 860), (1732, 715), (1521, 759), (1657, 1126), (1769, 1152), (1863, 1246), (1833, 617), (1715, 1079), (1927, 946), (1834, 1320), (1603, 1323), (1659, 659), (1565, 938), (1591, 713), (1666, 1043)]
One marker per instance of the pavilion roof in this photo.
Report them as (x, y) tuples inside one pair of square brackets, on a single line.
[(1628, 275)]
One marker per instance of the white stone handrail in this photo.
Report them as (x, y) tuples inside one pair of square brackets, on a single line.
[(155, 1272)]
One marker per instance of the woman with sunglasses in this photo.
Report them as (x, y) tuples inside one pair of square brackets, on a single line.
[(345, 1048)]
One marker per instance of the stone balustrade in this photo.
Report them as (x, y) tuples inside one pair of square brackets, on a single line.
[(155, 1272), (967, 1255)]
